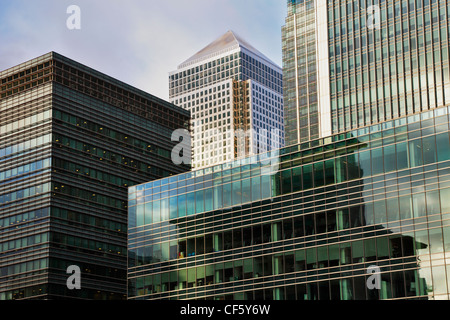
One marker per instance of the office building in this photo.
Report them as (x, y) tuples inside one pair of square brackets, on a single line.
[(72, 140), (351, 64), (313, 227), (235, 97)]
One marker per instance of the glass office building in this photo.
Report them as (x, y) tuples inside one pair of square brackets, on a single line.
[(309, 224), (350, 64), (303, 119), (72, 140), (235, 97)]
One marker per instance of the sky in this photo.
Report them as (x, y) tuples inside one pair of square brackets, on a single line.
[(135, 41)]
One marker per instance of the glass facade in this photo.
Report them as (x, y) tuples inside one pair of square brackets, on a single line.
[(381, 60), (398, 68), (72, 141), (300, 72), (310, 229)]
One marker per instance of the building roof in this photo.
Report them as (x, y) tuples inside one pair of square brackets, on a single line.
[(227, 42)]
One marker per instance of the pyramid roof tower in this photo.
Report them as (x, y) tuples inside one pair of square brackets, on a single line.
[(227, 42)]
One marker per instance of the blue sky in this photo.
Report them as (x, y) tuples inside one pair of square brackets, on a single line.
[(136, 41)]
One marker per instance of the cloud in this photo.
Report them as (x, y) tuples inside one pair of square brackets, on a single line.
[(136, 41)]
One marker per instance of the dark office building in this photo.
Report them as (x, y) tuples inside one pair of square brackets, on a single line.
[(72, 140), (311, 228)]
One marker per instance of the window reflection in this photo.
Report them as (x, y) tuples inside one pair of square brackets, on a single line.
[(376, 221)]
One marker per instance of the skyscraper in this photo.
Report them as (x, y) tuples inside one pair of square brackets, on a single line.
[(235, 96), (357, 207), (335, 214), (349, 64), (305, 72), (72, 140)]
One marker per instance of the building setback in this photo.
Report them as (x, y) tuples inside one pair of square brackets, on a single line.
[(349, 65), (235, 96), (72, 140), (313, 227)]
